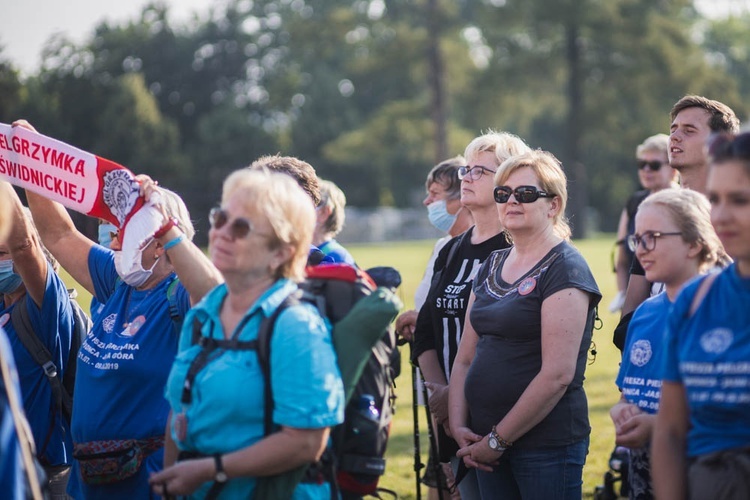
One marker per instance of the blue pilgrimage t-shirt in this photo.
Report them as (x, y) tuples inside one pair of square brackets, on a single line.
[(12, 474), (227, 408), (641, 370), (53, 324), (122, 370), (709, 354)]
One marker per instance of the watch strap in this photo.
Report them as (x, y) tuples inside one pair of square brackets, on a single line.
[(220, 476), (503, 444)]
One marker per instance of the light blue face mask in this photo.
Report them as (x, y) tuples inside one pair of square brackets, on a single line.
[(9, 281), (105, 234), (437, 212)]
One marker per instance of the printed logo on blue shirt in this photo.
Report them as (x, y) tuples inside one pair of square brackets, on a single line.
[(717, 340), (641, 353), (108, 323)]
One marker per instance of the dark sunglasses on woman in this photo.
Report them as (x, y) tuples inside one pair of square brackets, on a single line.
[(239, 228), (654, 166), (523, 194)]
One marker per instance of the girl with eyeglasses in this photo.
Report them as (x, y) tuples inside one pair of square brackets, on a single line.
[(216, 445), (701, 443), (674, 242), (519, 368), (654, 174)]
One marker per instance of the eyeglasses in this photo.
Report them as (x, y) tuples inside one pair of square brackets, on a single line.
[(647, 240), (654, 166), (474, 173), (239, 228), (523, 194), (726, 146)]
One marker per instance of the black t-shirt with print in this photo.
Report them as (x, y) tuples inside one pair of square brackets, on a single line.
[(441, 318), (508, 320)]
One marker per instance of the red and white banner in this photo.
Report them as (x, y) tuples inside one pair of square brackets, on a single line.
[(78, 180)]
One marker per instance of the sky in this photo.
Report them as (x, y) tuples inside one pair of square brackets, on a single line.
[(25, 25)]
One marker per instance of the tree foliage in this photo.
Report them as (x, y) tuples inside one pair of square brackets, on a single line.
[(373, 92)]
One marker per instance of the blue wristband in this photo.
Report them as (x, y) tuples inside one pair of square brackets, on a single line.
[(174, 242)]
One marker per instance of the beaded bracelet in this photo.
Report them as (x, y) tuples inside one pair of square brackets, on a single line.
[(174, 242)]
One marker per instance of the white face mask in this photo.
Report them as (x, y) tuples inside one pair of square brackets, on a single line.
[(132, 272)]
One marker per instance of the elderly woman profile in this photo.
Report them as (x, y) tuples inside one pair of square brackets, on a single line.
[(119, 411), (517, 405), (259, 241)]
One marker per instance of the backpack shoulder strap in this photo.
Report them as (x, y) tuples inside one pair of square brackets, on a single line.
[(81, 327), (174, 307), (701, 292), (31, 341), (454, 248), (453, 245), (265, 333)]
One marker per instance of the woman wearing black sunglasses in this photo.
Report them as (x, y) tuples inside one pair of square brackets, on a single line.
[(440, 321), (520, 364), (654, 174), (259, 240)]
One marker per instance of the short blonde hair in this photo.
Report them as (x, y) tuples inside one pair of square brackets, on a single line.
[(658, 143), (503, 144), (289, 211), (551, 177), (691, 213)]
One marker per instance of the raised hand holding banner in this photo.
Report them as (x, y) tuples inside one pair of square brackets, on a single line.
[(78, 180)]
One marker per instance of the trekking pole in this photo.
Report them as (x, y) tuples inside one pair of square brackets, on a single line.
[(415, 412), (431, 436)]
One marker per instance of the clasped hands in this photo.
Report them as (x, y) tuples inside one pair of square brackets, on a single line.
[(474, 450), (633, 426)]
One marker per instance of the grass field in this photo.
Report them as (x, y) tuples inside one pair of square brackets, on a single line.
[(410, 258)]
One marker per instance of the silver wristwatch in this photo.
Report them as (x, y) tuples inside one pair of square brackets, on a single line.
[(496, 443)]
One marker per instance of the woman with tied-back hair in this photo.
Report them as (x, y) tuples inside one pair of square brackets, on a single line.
[(674, 241), (517, 405)]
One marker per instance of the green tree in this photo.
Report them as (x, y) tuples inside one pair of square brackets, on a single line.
[(10, 90)]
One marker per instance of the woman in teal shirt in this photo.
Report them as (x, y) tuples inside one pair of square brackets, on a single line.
[(259, 241)]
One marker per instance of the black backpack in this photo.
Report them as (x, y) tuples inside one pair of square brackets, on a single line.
[(62, 388), (360, 313)]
